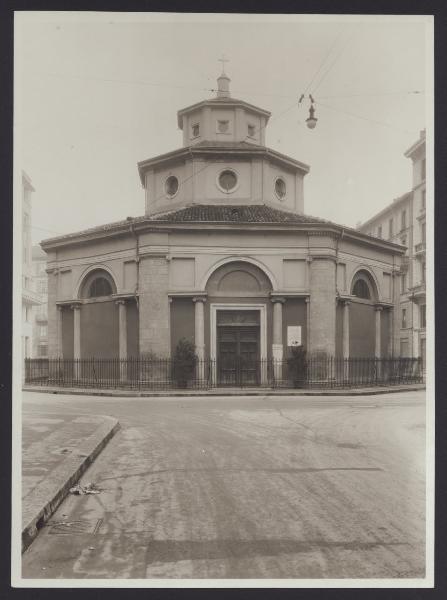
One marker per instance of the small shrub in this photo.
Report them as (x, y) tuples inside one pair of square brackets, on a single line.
[(184, 362), (297, 364)]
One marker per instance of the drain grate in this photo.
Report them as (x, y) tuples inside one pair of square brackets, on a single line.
[(74, 527)]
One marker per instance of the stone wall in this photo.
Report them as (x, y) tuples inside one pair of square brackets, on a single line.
[(154, 306), (322, 306)]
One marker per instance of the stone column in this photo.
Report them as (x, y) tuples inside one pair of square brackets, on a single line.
[(59, 346), (346, 329), (199, 334), (76, 338), (122, 333), (378, 352), (346, 340), (277, 346)]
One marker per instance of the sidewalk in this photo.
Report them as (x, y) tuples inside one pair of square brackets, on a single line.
[(56, 450), (227, 391)]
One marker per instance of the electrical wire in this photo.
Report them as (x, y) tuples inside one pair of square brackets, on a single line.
[(365, 118), (331, 66)]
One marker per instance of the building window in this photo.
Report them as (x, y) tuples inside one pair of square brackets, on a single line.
[(390, 229), (423, 169), (43, 331), (403, 283), (227, 181), (42, 350), (42, 287), (379, 231), (361, 289), (100, 287), (403, 220), (422, 316), (403, 240), (280, 187), (195, 130), (223, 126), (171, 186), (423, 272), (27, 314), (404, 318), (423, 231), (404, 348), (251, 130), (423, 200)]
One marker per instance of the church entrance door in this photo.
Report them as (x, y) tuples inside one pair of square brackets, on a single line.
[(238, 348)]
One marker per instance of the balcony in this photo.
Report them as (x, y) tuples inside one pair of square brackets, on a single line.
[(417, 292), (30, 297), (419, 249)]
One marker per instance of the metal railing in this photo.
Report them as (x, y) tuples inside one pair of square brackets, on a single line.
[(318, 372)]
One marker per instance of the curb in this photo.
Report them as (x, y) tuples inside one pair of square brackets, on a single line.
[(238, 392), (50, 492)]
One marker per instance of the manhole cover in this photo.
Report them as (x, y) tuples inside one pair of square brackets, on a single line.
[(73, 527)]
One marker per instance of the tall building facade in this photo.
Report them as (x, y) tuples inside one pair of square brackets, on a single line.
[(30, 299), (40, 287), (404, 221), (224, 256)]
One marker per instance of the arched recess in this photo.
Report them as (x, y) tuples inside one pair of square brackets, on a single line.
[(238, 279), (364, 285), (363, 317), (92, 275), (99, 333), (239, 259)]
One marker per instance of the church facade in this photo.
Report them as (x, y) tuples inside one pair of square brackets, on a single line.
[(224, 257)]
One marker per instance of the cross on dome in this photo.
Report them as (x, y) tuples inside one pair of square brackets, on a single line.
[(223, 60), (223, 81)]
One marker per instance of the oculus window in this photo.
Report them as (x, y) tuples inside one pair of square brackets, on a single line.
[(171, 186), (227, 180), (280, 187)]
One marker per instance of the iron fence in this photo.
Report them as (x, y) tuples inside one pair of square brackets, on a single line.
[(165, 374)]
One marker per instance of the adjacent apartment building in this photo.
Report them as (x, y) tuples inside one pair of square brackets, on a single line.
[(404, 221), (30, 299), (40, 286)]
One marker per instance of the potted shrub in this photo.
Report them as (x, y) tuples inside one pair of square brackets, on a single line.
[(297, 364), (184, 362)]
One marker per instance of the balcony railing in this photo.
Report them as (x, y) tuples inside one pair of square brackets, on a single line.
[(168, 374)]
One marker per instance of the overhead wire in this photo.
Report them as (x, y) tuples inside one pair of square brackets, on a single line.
[(364, 118)]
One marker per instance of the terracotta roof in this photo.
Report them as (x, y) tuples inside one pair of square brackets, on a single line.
[(256, 213)]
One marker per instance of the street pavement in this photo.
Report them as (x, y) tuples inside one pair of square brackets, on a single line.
[(259, 487), (48, 439)]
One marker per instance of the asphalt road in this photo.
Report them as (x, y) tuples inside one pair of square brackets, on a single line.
[(330, 487)]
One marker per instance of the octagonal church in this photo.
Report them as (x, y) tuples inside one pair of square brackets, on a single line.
[(224, 256)]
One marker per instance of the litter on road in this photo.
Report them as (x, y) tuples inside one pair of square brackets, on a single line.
[(79, 489)]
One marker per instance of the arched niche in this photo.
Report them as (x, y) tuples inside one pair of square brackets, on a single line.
[(364, 287), (238, 279)]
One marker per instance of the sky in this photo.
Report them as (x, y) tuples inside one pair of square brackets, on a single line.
[(98, 92)]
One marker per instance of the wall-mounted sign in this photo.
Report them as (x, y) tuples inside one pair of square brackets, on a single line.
[(294, 335)]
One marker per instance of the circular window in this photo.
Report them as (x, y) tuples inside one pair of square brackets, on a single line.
[(280, 188), (171, 186), (227, 181)]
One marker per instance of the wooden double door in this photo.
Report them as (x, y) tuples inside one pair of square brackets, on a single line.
[(238, 355)]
